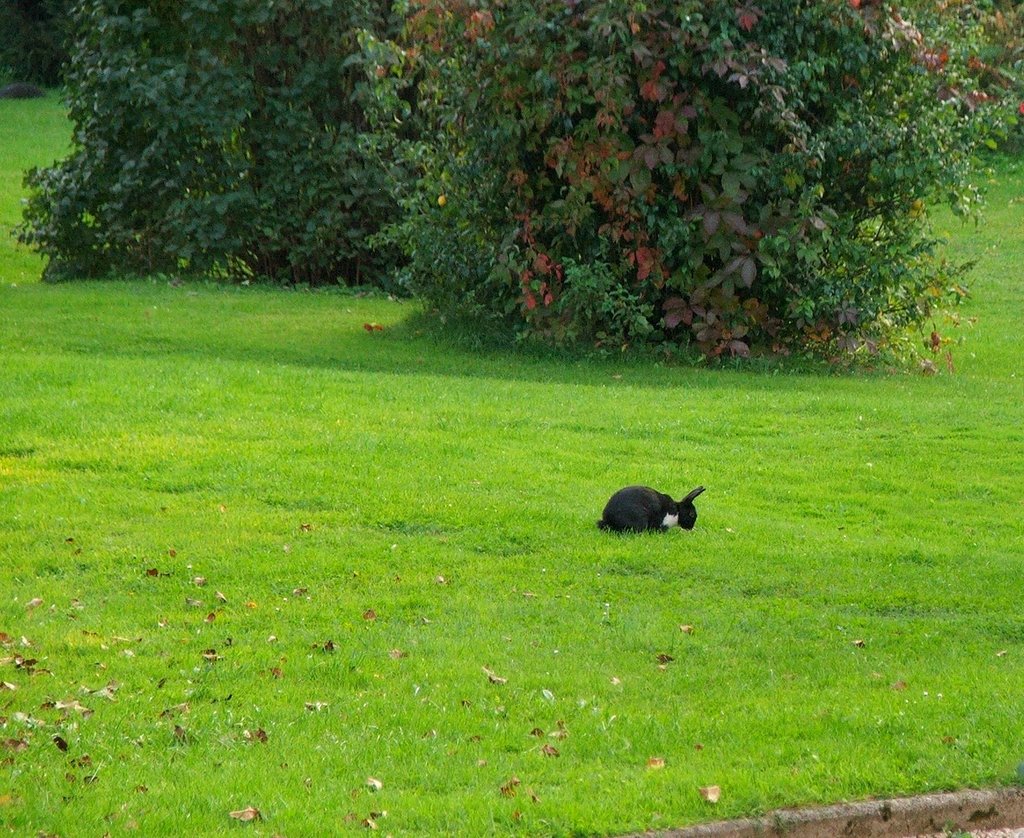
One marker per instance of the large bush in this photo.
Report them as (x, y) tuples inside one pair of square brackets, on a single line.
[(724, 173), (216, 137)]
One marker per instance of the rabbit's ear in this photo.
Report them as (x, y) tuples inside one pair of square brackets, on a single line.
[(689, 498)]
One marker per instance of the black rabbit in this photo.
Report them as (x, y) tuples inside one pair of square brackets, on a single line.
[(639, 508)]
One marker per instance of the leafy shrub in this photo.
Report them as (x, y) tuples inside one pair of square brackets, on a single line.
[(723, 173), (33, 40), (216, 138)]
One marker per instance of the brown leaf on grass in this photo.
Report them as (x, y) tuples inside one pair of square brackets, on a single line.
[(106, 692), (698, 746), (710, 793), (250, 813), (209, 618), (5, 639), (686, 629), (315, 706), (199, 581), (1001, 653), (305, 527), (493, 678), (859, 644), (172, 553), (15, 745), (220, 597), (664, 658), (193, 603), (175, 710), (369, 615), (537, 732), (397, 654), (374, 784), (7, 685), (328, 646), (656, 762), (179, 734), (300, 591), (34, 603), (948, 740), (373, 327), (258, 735), (276, 672), (211, 655), (549, 750), (509, 788), (440, 580), (899, 686), (60, 742), (369, 823)]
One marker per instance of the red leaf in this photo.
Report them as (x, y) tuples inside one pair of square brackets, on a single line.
[(748, 19)]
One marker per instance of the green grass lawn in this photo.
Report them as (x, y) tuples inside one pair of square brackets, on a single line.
[(254, 555)]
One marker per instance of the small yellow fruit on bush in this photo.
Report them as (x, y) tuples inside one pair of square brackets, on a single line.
[(442, 200)]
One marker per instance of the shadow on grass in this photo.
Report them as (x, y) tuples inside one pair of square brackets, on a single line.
[(327, 329)]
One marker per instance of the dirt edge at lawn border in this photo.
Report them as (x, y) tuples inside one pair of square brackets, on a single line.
[(969, 811)]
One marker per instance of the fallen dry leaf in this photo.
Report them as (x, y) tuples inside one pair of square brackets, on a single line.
[(899, 686), (656, 762), (220, 597), (397, 654), (199, 581), (493, 678), (315, 706), (1001, 653), (373, 327), (686, 629), (60, 742), (859, 644), (663, 659), (258, 735), (305, 527), (549, 750), (710, 793), (175, 710), (250, 813), (34, 603), (180, 734), (300, 591), (209, 618), (509, 788), (211, 655), (7, 685), (537, 732), (369, 615), (374, 784), (16, 745), (193, 603)]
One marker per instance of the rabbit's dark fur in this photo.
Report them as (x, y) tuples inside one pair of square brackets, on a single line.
[(639, 508)]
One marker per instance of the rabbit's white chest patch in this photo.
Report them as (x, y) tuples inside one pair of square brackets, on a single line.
[(670, 520)]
